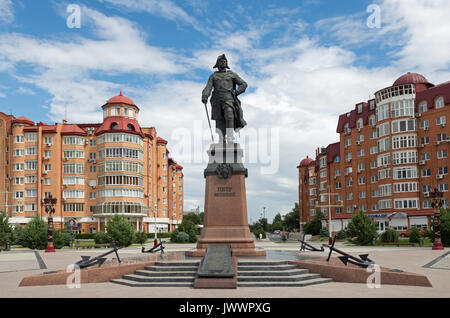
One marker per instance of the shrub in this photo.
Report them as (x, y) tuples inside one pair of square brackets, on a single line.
[(192, 236), (182, 237), (34, 234), (186, 226), (120, 230), (389, 235), (61, 239), (362, 229), (174, 235), (445, 227), (6, 230), (259, 231), (342, 234), (284, 237), (414, 236), (160, 235), (324, 232), (101, 238), (140, 237), (85, 236)]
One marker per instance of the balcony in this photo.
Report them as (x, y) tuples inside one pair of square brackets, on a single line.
[(122, 208)]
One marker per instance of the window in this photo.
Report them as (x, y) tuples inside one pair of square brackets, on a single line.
[(441, 154), (383, 160), (382, 112), (362, 180), (404, 141), (372, 121), (350, 196), (402, 108), (73, 154), (403, 125), (384, 174), (47, 181), (30, 164), (73, 168), (92, 142), (359, 123), (405, 172), (423, 107), (424, 124), (31, 137), (426, 188), (443, 187), (440, 120), (406, 187), (73, 207), (31, 193), (18, 181), (18, 139), (120, 180), (48, 140), (120, 152), (18, 194), (18, 166), (73, 180), (383, 130), (406, 203), (30, 206), (441, 137), (47, 153), (424, 140), (73, 194), (426, 172), (383, 145), (73, 140), (31, 178), (439, 102), (47, 167), (385, 204), (362, 194), (18, 152), (360, 153), (323, 173), (385, 190), (404, 157), (442, 170)]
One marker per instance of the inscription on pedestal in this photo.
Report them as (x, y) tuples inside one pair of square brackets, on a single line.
[(224, 192), (217, 261)]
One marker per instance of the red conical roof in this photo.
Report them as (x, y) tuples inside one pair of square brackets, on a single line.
[(120, 99)]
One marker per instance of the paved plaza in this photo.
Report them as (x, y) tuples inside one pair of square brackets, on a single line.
[(16, 264)]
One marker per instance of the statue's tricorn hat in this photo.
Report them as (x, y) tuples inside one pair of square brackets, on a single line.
[(220, 57)]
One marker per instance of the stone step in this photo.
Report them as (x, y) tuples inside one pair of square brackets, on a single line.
[(141, 278), (171, 268), (267, 268), (285, 284), (178, 263), (294, 278), (164, 273), (131, 283), (261, 263), (273, 273)]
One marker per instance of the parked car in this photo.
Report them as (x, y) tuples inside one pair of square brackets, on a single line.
[(408, 232)]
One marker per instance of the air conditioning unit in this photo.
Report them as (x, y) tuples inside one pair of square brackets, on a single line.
[(425, 128), (421, 162), (90, 132), (443, 125), (65, 185), (66, 159), (354, 206), (358, 129), (48, 144), (385, 165), (44, 172), (358, 143), (93, 186), (439, 176), (349, 159), (419, 115), (42, 179), (438, 142), (335, 177), (422, 145), (45, 158), (448, 139), (426, 194), (146, 195), (359, 171), (86, 142)]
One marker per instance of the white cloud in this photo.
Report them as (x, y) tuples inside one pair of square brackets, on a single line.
[(6, 11)]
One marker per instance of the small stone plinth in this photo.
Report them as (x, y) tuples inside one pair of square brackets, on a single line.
[(351, 273)]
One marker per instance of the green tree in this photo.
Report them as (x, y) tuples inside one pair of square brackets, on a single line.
[(414, 236), (362, 229), (101, 238), (34, 234), (120, 230), (389, 235), (277, 223), (61, 239), (315, 225), (6, 230), (140, 237), (445, 227), (291, 220), (193, 217)]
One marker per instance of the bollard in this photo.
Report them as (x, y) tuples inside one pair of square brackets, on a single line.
[(421, 242), (8, 246), (374, 241)]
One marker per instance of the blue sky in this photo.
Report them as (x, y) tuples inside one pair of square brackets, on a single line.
[(305, 62)]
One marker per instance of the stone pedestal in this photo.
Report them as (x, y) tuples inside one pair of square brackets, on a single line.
[(226, 220)]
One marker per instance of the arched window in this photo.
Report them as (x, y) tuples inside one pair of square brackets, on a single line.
[(439, 102), (130, 127), (372, 121), (423, 107), (114, 126), (359, 123)]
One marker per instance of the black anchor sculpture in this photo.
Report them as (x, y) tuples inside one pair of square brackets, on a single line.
[(156, 248), (87, 261), (306, 246), (363, 260)]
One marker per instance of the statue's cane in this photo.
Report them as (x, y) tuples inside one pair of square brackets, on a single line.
[(209, 122)]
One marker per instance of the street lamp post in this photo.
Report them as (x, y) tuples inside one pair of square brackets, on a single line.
[(50, 203), (329, 206), (436, 196)]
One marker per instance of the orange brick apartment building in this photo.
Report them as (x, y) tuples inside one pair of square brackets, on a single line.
[(94, 171), (393, 151)]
